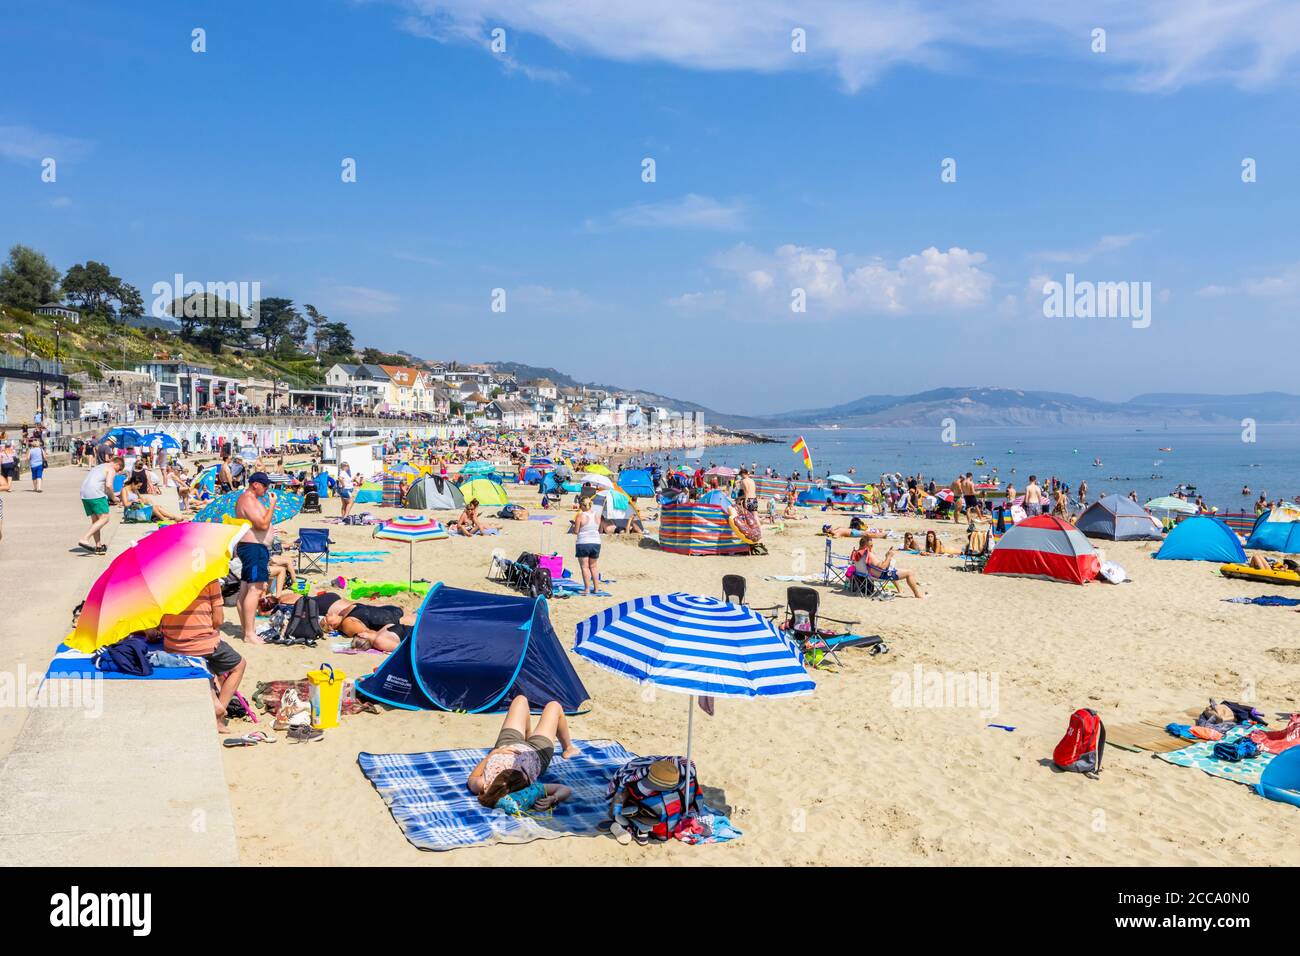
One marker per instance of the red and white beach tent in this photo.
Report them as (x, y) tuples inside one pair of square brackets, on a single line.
[(1045, 547)]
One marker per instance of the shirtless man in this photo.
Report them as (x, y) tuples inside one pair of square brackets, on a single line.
[(254, 551), (748, 491), (974, 509), (1033, 497), (958, 489)]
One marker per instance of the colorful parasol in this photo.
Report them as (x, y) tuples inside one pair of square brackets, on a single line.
[(287, 505), (410, 528), (162, 573)]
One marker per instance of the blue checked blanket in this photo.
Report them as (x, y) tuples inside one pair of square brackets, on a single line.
[(431, 803), (1201, 756), (68, 663)]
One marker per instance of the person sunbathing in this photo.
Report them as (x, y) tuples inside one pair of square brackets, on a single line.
[(521, 755), (865, 563), (469, 523), (137, 493), (379, 626), (933, 545), (851, 532)]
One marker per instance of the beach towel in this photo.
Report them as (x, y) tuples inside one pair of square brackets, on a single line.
[(429, 799), (68, 663), (1267, 600), (1201, 756)]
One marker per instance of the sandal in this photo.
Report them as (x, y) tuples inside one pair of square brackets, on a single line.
[(239, 742)]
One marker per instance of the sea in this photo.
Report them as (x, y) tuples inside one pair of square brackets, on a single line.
[(1227, 466)]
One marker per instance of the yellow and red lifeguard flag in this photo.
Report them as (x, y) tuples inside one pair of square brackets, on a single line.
[(801, 448)]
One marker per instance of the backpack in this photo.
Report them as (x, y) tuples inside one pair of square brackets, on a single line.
[(303, 626), (1081, 749)]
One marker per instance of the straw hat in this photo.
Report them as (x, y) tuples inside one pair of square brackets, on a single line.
[(663, 775)]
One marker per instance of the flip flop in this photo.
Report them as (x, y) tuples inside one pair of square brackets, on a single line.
[(262, 736), (238, 742)]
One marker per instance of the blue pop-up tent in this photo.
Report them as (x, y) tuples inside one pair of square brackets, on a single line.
[(474, 652), (1268, 535), (637, 482), (1202, 538)]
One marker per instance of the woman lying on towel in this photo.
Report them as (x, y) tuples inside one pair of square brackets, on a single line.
[(378, 626), (865, 563), (508, 776)]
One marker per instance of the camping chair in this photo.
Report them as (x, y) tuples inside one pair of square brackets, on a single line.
[(978, 548), (733, 586), (312, 544), (832, 573), (801, 625)]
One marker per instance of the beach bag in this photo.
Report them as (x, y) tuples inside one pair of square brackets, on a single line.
[(1081, 749), (1235, 750), (138, 514)]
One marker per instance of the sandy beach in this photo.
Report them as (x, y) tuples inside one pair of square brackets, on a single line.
[(852, 774)]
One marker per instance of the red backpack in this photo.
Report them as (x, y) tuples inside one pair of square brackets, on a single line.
[(1081, 748)]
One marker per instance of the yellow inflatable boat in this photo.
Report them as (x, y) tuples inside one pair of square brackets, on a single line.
[(1278, 574)]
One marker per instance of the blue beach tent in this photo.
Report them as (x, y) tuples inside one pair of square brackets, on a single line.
[(637, 482), (1202, 538), (1269, 535), (474, 652), (813, 496)]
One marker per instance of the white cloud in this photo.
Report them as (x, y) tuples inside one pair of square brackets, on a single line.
[(713, 301), (928, 281), (1283, 283), (360, 300), (22, 144), (1079, 256), (421, 260), (1156, 45), (692, 211)]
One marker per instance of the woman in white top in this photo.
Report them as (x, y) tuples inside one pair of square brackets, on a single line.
[(586, 525), (344, 482)]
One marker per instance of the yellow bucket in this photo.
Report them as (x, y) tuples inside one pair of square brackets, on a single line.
[(326, 696)]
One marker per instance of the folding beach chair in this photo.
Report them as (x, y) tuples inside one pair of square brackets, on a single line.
[(802, 625), (313, 544), (835, 575), (733, 586), (977, 550)]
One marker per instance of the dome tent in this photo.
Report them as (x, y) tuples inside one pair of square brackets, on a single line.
[(1202, 538), (434, 493), (1117, 518), (1045, 547), (1275, 533)]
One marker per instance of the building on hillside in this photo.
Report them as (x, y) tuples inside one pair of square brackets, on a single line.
[(369, 387), (540, 388), (34, 391), (60, 311)]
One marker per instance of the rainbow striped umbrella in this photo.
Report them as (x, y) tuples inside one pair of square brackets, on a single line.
[(410, 528), (162, 573)]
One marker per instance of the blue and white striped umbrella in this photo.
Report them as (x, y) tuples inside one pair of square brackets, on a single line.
[(694, 645)]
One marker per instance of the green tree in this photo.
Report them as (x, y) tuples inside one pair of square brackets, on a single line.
[(28, 279), (338, 339), (317, 320), (93, 287), (276, 320), (130, 302)]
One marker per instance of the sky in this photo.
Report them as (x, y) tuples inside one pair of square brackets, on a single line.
[(911, 173)]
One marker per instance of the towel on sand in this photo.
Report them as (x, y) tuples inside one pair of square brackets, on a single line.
[(1201, 756), (68, 663), (436, 811)]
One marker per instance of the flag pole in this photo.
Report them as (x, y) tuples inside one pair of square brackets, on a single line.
[(690, 733)]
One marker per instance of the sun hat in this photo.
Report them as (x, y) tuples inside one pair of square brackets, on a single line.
[(663, 775)]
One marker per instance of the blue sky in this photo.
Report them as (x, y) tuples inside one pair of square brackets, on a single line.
[(775, 171)]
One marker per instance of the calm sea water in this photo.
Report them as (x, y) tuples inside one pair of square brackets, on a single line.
[(1214, 459)]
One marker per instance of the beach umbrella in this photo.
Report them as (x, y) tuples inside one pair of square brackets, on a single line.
[(124, 437), (597, 470), (477, 468), (695, 645), (722, 471), (410, 528), (162, 573), (222, 508), (249, 453), (405, 468), (597, 480), (840, 479), (1170, 503), (168, 443)]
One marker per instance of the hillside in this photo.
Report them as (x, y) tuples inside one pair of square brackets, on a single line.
[(95, 345), (996, 406)]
